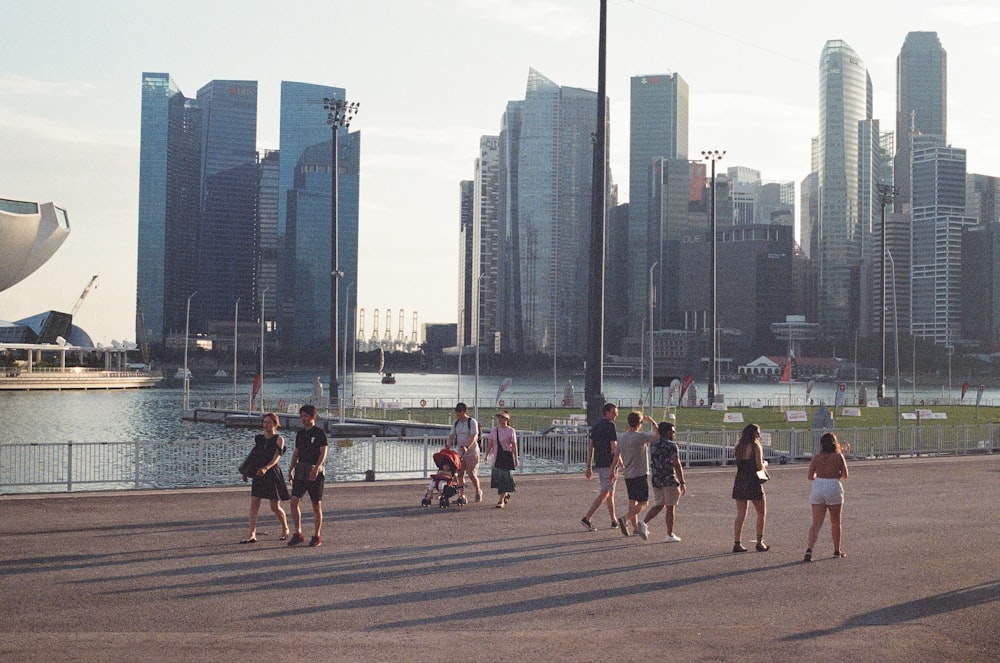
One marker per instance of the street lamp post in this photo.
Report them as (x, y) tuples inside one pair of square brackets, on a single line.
[(187, 374), (477, 309), (236, 346), (886, 194), (339, 113), (712, 156), (347, 323), (262, 293), (651, 335)]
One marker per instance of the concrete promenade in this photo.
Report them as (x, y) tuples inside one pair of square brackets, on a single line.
[(158, 576)]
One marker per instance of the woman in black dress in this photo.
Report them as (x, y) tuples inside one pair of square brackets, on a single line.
[(747, 487), (268, 481)]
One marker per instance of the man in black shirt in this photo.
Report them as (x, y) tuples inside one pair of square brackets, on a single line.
[(307, 474), (603, 445)]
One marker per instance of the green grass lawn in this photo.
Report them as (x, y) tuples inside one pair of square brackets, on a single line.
[(701, 418)]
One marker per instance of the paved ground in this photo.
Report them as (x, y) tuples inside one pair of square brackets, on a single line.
[(158, 576)]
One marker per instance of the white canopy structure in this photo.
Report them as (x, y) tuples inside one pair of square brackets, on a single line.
[(30, 233)]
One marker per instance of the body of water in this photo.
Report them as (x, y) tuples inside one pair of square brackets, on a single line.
[(155, 414)]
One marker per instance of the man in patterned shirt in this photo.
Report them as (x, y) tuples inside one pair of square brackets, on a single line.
[(667, 478)]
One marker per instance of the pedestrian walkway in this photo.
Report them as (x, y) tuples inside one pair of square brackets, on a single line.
[(159, 576)]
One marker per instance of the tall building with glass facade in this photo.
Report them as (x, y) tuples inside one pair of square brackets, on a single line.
[(267, 205), (304, 219), (486, 231), (921, 101), (846, 139), (228, 229), (658, 116), (939, 220), (169, 205), (509, 320), (555, 164), (467, 250)]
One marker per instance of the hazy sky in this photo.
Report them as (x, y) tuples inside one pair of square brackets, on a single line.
[(432, 76)]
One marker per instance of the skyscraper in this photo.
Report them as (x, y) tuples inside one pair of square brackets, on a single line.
[(555, 163), (228, 230), (921, 101), (658, 130), (939, 219), (486, 227), (169, 205), (844, 184), (509, 321)]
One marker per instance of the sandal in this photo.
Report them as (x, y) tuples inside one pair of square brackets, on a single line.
[(283, 537), (500, 504), (252, 539), (839, 553)]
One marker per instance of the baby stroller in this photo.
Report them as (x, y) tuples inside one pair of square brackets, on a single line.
[(445, 479)]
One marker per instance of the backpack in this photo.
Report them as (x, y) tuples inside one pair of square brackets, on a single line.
[(479, 431)]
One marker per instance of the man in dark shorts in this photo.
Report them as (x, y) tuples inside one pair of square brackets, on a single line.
[(603, 444), (307, 474), (631, 453)]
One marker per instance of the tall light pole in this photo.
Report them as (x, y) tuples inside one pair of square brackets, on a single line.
[(477, 310), (347, 323), (895, 326), (262, 293), (886, 194), (339, 114), (187, 373), (594, 369), (651, 335), (236, 344), (712, 156)]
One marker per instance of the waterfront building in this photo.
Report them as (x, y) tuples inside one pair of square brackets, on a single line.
[(846, 170), (921, 102), (227, 246), (30, 233), (169, 205), (267, 206), (487, 250), (555, 164), (466, 260), (658, 129), (509, 318), (939, 220)]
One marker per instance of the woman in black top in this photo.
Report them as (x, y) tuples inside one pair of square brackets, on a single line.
[(268, 480), (747, 487)]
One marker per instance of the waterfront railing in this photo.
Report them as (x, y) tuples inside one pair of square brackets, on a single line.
[(73, 466)]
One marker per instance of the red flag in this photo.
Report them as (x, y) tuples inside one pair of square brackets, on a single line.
[(688, 379), (841, 392), (786, 374), (965, 388), (257, 382)]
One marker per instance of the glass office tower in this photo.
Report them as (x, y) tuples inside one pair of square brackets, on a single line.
[(658, 130)]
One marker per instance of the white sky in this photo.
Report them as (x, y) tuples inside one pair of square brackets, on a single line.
[(431, 76)]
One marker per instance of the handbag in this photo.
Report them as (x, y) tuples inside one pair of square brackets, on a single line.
[(762, 475), (249, 466)]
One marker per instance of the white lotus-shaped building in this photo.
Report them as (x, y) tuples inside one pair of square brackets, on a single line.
[(29, 234)]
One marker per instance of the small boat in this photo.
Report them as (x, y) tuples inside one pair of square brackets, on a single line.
[(388, 378)]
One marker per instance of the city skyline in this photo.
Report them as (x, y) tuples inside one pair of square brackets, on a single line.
[(69, 114)]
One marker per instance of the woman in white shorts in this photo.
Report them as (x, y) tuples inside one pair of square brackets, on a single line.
[(826, 470)]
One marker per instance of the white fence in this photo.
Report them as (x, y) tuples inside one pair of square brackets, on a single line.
[(54, 467)]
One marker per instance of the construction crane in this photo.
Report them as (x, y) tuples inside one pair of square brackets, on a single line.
[(83, 295)]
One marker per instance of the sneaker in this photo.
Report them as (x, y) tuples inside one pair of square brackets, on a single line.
[(762, 547), (315, 541), (643, 530), (586, 523), (614, 524), (671, 538), (296, 539), (809, 555), (739, 547), (623, 526)]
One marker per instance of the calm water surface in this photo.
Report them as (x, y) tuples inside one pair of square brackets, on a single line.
[(154, 414)]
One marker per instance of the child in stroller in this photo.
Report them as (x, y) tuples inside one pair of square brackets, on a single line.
[(444, 480)]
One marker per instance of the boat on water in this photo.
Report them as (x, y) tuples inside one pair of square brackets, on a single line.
[(388, 378)]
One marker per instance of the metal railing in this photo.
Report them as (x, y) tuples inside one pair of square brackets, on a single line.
[(71, 466)]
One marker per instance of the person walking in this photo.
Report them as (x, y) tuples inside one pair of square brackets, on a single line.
[(667, 477), (464, 435), (268, 481), (827, 471), (747, 487), (503, 448), (631, 453), (307, 474), (601, 451)]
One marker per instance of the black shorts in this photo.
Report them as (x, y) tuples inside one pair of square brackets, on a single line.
[(314, 488), (638, 489)]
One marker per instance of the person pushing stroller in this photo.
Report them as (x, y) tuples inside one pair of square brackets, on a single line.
[(444, 481)]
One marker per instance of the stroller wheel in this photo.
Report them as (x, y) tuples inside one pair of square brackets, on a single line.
[(443, 503), (462, 501), (425, 502)]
